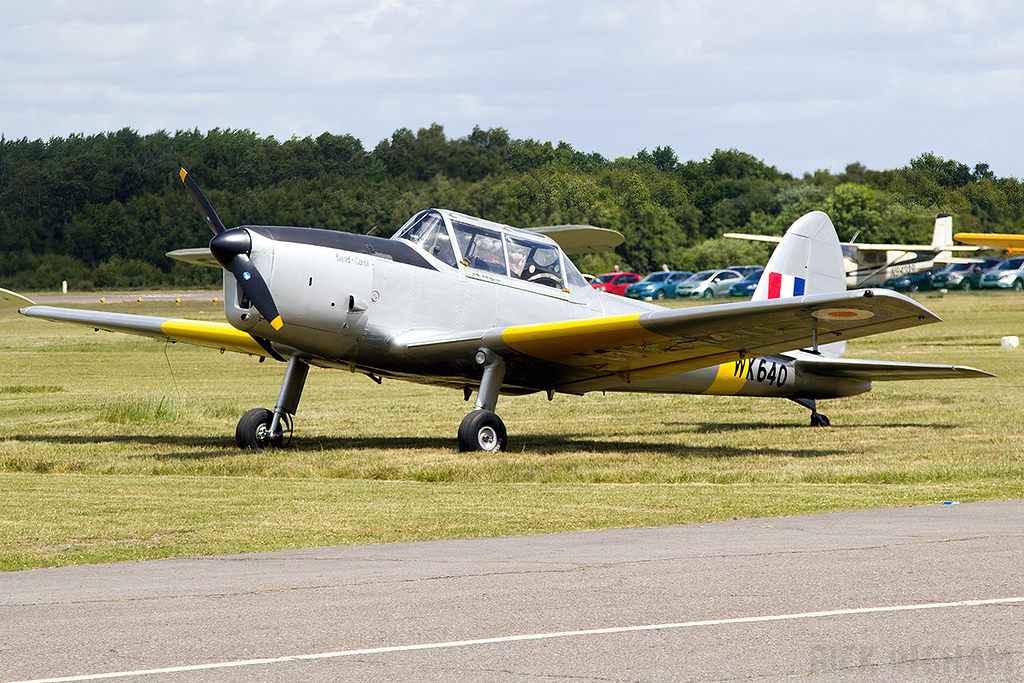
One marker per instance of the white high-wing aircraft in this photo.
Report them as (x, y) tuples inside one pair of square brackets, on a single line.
[(873, 264), (462, 302)]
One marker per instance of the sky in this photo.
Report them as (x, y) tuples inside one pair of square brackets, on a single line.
[(803, 85)]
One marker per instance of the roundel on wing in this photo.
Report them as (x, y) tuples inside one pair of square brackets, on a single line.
[(839, 315)]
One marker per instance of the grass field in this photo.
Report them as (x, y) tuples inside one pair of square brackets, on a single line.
[(121, 448)]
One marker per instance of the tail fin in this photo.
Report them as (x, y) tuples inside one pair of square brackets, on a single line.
[(808, 260), (942, 235)]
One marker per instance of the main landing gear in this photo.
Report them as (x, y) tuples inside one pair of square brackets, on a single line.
[(260, 428), (482, 429), (817, 419)]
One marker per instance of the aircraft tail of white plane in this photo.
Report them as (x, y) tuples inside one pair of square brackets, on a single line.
[(808, 261), (942, 235)]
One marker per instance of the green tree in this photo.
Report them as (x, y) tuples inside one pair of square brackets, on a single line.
[(854, 211)]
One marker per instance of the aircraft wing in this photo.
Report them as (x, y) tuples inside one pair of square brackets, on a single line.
[(923, 249), (753, 238), (920, 248), (215, 335), (1013, 244), (661, 343), (883, 371)]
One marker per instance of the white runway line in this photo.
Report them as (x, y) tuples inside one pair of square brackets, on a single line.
[(529, 637)]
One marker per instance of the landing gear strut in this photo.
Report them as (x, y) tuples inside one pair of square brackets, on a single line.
[(817, 419), (482, 429), (260, 428)]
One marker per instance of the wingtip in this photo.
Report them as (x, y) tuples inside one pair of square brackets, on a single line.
[(9, 299)]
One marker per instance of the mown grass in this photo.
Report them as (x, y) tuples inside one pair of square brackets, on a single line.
[(118, 447)]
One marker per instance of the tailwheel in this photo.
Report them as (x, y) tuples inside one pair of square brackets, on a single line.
[(817, 419), (482, 430), (253, 430)]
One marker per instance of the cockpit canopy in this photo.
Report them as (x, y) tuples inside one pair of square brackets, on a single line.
[(479, 245)]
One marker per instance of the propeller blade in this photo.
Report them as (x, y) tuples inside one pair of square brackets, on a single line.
[(231, 248), (203, 204)]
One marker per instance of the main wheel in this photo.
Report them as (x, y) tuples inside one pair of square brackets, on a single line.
[(819, 420), (253, 430), (482, 430)]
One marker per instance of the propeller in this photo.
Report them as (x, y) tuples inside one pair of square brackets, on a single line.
[(232, 249), (204, 205)]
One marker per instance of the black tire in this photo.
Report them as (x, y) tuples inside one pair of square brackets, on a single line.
[(1018, 285), (819, 420), (253, 430), (660, 295), (708, 294), (482, 430)]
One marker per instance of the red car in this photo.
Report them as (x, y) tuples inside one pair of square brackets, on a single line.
[(614, 283)]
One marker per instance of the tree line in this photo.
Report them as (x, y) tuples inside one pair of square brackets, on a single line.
[(101, 211)]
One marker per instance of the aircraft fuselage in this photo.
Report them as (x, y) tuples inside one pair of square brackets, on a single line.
[(360, 302)]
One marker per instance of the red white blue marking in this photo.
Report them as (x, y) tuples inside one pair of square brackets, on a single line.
[(781, 286)]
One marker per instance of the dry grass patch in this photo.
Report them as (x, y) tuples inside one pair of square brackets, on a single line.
[(119, 447)]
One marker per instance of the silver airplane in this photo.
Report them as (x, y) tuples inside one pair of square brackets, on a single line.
[(461, 302)]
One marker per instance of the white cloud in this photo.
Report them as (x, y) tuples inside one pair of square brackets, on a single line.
[(799, 83)]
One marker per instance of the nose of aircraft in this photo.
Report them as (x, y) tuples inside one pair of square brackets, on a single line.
[(232, 249)]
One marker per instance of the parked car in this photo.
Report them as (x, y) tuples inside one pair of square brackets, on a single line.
[(1008, 275), (747, 285), (614, 283), (657, 285), (746, 270), (915, 282), (708, 283), (965, 276)]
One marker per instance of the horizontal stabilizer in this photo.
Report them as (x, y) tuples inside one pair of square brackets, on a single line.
[(199, 256), (581, 239), (9, 299), (884, 371)]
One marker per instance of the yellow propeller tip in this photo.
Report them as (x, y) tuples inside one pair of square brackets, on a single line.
[(277, 323), (183, 173)]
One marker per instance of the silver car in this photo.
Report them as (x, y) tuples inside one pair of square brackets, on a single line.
[(709, 283), (1008, 275)]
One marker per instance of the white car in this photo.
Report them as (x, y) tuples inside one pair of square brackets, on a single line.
[(1007, 275), (709, 283)]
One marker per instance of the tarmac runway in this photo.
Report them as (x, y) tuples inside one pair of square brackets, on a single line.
[(929, 593)]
